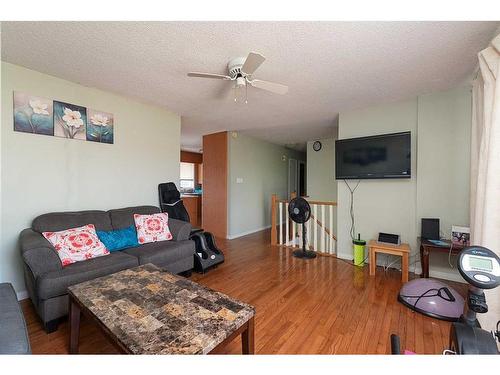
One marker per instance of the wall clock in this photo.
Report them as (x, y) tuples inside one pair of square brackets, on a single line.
[(317, 146)]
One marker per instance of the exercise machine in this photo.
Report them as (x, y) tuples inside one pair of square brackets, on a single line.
[(480, 267)]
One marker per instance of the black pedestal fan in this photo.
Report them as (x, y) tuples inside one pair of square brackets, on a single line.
[(300, 211)]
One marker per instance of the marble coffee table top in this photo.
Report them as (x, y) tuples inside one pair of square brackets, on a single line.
[(151, 311)]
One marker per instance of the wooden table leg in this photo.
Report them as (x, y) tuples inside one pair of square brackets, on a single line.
[(74, 326), (247, 338), (373, 260), (424, 261), (404, 267)]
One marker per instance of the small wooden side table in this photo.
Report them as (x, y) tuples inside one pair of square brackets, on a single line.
[(402, 250), (427, 247)]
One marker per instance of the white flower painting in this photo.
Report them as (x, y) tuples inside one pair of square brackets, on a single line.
[(100, 126), (37, 115), (32, 114), (69, 120)]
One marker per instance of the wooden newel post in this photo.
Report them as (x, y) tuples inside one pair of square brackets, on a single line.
[(274, 234)]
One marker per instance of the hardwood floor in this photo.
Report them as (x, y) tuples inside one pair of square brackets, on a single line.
[(320, 306)]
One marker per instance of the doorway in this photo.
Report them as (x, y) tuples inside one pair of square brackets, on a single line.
[(302, 179), (297, 177)]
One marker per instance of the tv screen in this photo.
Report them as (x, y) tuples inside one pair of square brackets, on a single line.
[(380, 156)]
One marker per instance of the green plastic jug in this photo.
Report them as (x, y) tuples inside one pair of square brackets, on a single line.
[(359, 252)]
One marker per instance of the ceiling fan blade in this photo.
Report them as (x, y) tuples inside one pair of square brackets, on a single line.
[(253, 61), (208, 75), (277, 88)]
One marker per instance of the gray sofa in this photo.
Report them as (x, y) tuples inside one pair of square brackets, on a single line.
[(13, 332), (47, 281)]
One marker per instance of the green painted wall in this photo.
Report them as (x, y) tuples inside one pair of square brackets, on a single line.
[(43, 174), (439, 187), (263, 172)]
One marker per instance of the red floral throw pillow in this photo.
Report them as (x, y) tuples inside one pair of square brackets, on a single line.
[(76, 244), (152, 228)]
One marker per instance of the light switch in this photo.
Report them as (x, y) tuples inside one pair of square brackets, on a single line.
[(239, 180)]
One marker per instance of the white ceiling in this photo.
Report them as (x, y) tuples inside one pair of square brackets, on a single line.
[(329, 67)]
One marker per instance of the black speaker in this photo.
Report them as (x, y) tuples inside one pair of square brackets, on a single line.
[(389, 238), (430, 229)]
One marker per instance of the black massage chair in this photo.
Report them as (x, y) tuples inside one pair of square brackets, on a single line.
[(207, 255), (171, 203)]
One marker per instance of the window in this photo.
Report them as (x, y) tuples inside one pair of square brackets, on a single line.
[(187, 176)]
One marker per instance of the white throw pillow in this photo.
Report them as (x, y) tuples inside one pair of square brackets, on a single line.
[(152, 228), (76, 244)]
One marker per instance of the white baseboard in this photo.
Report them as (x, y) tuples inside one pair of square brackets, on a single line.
[(380, 259), (451, 276), (23, 294), (237, 235)]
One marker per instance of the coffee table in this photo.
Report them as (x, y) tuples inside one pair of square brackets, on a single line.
[(145, 310)]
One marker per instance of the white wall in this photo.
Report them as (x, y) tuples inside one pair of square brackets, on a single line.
[(379, 205), (321, 183), (440, 127), (443, 182), (44, 174), (264, 173)]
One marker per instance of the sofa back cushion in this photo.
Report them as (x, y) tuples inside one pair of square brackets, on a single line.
[(124, 217), (57, 221)]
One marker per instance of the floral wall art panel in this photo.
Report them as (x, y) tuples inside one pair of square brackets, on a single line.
[(69, 120), (99, 126), (33, 114)]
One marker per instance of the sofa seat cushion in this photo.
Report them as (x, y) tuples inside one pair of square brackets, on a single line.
[(162, 253), (56, 283)]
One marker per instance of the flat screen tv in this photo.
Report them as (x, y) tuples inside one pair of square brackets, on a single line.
[(380, 156)]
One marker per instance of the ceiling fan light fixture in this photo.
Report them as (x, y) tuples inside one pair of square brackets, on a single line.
[(240, 90), (240, 82)]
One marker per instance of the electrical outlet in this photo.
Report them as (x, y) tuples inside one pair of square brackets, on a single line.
[(239, 180)]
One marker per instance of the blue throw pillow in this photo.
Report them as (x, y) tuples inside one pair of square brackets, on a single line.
[(119, 239)]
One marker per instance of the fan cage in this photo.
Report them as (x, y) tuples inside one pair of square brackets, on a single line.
[(302, 205), (234, 71)]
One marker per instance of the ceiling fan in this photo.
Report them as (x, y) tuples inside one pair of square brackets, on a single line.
[(241, 71)]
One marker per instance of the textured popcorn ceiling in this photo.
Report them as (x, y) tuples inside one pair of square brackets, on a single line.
[(329, 67)]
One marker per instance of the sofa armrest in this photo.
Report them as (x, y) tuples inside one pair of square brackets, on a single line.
[(13, 332), (38, 253), (181, 230)]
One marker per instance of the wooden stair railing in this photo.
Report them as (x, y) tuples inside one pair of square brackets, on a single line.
[(320, 235)]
